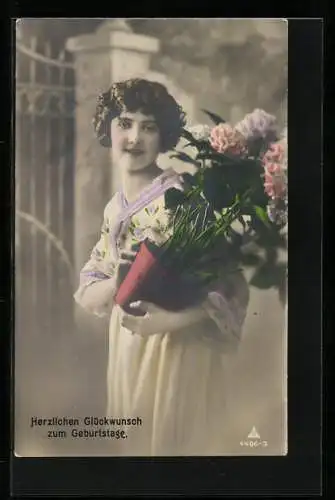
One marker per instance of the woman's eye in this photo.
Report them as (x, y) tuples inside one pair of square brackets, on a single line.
[(150, 128), (124, 124)]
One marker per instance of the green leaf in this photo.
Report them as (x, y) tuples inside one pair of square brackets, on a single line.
[(192, 140), (250, 259), (262, 215), (271, 256), (242, 222), (268, 237), (200, 145), (263, 278), (214, 117), (219, 157), (206, 275), (185, 157), (174, 197), (189, 179), (216, 190), (269, 276)]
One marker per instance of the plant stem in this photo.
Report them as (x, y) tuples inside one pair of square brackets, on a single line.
[(186, 251)]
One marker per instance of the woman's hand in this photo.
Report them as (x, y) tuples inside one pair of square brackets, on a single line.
[(158, 320)]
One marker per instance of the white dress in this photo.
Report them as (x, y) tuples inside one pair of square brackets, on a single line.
[(173, 381)]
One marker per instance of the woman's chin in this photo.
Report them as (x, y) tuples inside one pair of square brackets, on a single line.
[(137, 166)]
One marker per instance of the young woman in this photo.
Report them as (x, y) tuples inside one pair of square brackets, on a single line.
[(165, 367)]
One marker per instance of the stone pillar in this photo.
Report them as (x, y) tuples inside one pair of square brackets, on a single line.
[(111, 53)]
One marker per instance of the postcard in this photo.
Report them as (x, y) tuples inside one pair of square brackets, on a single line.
[(151, 237)]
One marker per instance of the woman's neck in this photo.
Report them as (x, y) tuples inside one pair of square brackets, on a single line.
[(134, 182)]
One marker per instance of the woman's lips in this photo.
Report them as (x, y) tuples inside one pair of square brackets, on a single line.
[(134, 152)]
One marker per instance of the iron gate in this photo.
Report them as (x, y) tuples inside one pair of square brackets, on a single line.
[(44, 167)]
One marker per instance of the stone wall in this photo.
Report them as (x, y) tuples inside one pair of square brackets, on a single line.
[(229, 65)]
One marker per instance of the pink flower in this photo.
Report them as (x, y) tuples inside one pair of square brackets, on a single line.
[(275, 153), (225, 139), (273, 168), (275, 182)]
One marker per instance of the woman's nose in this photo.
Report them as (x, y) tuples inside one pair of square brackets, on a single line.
[(134, 134)]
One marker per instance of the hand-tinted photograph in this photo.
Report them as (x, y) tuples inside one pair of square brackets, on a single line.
[(151, 216)]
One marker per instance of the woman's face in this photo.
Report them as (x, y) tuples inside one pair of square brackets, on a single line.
[(135, 140)]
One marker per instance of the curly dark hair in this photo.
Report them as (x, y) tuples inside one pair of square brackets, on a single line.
[(149, 97)]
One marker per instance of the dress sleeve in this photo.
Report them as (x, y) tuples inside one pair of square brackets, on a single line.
[(226, 305), (100, 266)]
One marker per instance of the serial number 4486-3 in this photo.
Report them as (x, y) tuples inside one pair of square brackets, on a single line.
[(254, 443)]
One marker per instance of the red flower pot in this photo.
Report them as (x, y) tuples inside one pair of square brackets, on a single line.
[(136, 276), (150, 281)]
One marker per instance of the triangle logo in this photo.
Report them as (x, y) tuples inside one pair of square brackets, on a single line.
[(253, 434)]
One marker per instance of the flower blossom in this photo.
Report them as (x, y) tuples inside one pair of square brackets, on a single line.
[(257, 124), (283, 142), (152, 222), (274, 162), (277, 212), (275, 154), (200, 132), (225, 139), (275, 181)]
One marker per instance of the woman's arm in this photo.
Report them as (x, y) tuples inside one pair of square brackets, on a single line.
[(96, 296), (96, 280), (219, 319), (98, 289), (101, 274), (227, 306)]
